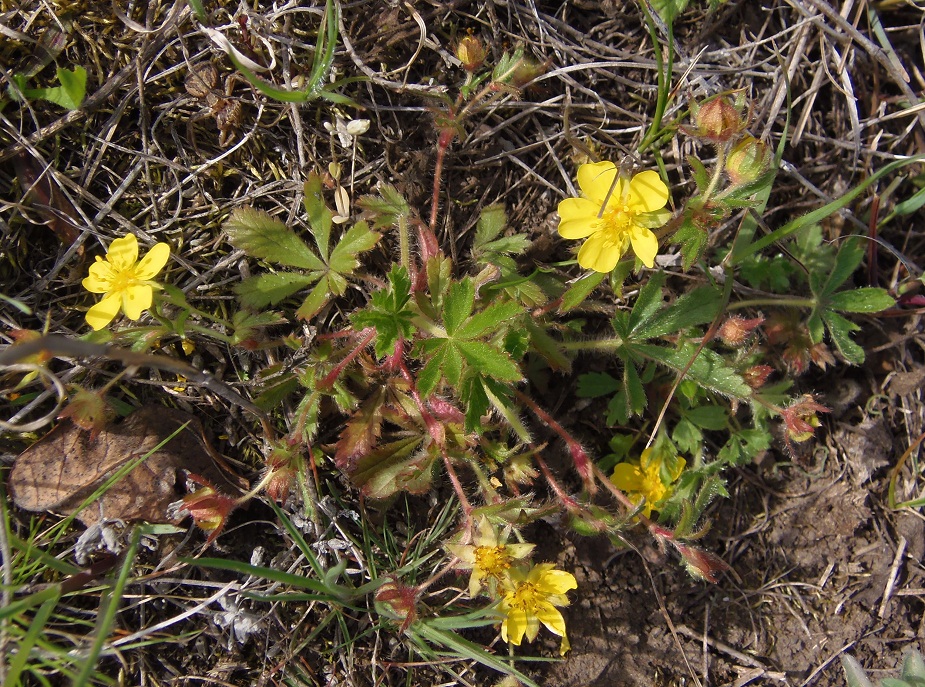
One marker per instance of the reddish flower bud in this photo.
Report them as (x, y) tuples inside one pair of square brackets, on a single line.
[(800, 418), (208, 507), (747, 161), (284, 463), (701, 564), (757, 375), (717, 120), (736, 330), (398, 601), (471, 52), (88, 410)]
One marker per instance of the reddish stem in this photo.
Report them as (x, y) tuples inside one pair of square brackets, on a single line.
[(443, 144), (368, 335), (583, 463)]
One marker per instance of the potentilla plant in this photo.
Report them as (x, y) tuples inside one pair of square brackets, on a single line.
[(425, 380)]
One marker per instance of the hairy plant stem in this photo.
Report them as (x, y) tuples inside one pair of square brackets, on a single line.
[(783, 302)]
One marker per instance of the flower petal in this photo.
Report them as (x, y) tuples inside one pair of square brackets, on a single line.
[(600, 252), (123, 253), (465, 554), (153, 262), (596, 181), (550, 616), (136, 299), (627, 477), (557, 582), (533, 626), (102, 313), (100, 278), (514, 626), (518, 551), (578, 218), (647, 192), (645, 245)]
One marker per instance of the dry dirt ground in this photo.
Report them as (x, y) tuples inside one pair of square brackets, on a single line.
[(820, 564)]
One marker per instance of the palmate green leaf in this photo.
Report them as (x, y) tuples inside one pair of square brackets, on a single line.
[(709, 370), (847, 261), (687, 437), (867, 299), (648, 302), (580, 290), (388, 312), (489, 361), (358, 239), (840, 330), (475, 400), (596, 384), (491, 317), (458, 304), (634, 391), (697, 307), (387, 208), (69, 94), (318, 297), (267, 238), (319, 216), (395, 467), (693, 241), (699, 172), (490, 225), (708, 417), (269, 289)]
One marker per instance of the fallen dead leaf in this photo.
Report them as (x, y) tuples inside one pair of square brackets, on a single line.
[(61, 470)]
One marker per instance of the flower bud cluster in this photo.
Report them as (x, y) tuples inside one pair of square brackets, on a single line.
[(722, 122)]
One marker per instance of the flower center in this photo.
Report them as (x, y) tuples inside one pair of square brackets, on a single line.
[(494, 560), (525, 596), (124, 280), (618, 219)]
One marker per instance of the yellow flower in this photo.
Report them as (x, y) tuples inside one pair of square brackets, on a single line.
[(531, 599), (490, 558), (125, 281), (613, 213), (646, 481)]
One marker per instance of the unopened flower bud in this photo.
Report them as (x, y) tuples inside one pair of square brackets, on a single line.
[(471, 52), (398, 601), (748, 160), (717, 120), (526, 71), (736, 330), (800, 418), (208, 507), (88, 410), (757, 375), (284, 462)]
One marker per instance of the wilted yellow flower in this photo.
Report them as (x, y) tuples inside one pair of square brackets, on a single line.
[(490, 557), (531, 599), (125, 281), (645, 480), (614, 213)]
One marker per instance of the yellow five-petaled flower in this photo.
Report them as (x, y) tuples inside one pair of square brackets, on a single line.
[(613, 213), (125, 281), (650, 479), (530, 599), (489, 557)]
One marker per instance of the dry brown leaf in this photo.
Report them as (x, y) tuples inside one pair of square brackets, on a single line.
[(66, 466)]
